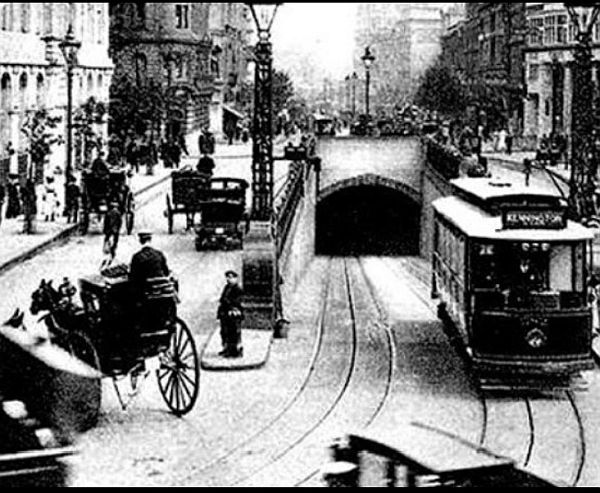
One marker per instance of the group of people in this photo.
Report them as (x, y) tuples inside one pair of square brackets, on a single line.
[(21, 199)]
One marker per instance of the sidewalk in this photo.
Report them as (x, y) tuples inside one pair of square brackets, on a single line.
[(16, 246), (514, 161)]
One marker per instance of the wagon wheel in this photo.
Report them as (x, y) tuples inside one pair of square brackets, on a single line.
[(169, 214), (129, 213), (179, 375), (78, 400)]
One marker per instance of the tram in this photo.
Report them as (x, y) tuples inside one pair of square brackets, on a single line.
[(510, 272)]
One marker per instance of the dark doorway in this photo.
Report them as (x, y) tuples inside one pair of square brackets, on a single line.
[(367, 220)]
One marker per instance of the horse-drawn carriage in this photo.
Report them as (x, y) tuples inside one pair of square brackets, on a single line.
[(117, 335), (99, 190), (187, 190)]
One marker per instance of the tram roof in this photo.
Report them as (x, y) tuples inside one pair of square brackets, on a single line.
[(495, 191), (477, 223)]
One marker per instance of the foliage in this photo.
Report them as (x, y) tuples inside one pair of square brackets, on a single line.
[(90, 113), (135, 109), (40, 131), (283, 92), (441, 90)]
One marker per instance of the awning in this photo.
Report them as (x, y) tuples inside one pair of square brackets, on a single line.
[(234, 112)]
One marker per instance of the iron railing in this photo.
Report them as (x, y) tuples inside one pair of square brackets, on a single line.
[(291, 195)]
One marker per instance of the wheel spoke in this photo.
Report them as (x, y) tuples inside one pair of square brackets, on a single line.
[(184, 387), (177, 391), (186, 343), (192, 382), (187, 356), (172, 380)]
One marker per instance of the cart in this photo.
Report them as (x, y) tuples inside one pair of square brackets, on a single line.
[(188, 189), (118, 336), (99, 190)]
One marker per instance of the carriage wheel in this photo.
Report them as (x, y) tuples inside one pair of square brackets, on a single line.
[(129, 214), (179, 375), (169, 213), (78, 400)]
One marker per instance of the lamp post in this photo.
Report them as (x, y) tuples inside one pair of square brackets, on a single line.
[(354, 79), (583, 166), (70, 49), (367, 60), (262, 144)]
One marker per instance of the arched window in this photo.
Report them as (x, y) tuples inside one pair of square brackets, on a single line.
[(25, 17), (5, 93), (40, 94), (90, 85), (7, 16), (23, 91)]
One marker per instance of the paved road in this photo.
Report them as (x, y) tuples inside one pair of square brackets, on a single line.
[(365, 349)]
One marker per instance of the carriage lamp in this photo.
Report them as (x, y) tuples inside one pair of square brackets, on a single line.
[(15, 409)]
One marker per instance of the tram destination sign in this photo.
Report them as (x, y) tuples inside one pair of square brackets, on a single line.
[(534, 219)]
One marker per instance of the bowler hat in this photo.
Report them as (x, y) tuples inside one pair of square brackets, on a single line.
[(145, 233), (231, 273)]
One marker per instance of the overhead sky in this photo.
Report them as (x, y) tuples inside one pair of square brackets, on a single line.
[(323, 30)]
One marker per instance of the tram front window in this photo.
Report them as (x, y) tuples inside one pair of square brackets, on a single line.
[(520, 275)]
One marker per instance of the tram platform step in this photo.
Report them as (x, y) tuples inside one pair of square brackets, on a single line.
[(533, 384)]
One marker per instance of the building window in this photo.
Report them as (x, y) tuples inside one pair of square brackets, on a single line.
[(534, 71), (40, 92), (7, 14), (141, 67), (536, 35), (555, 29), (25, 17), (182, 15)]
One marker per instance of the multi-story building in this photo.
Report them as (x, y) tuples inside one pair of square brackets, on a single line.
[(486, 50), (549, 70), (168, 43), (405, 39), (33, 71), (229, 29)]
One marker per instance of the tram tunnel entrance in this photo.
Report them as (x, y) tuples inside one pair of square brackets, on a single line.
[(367, 220)]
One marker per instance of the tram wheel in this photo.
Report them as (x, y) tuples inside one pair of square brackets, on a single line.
[(179, 374)]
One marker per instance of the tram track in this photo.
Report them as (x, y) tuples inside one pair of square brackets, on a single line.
[(306, 400), (536, 444)]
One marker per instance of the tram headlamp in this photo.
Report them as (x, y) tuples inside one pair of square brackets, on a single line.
[(46, 437), (536, 339), (545, 247), (526, 247)]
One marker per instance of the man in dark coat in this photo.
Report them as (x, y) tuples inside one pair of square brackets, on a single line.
[(29, 206), (13, 208), (99, 166), (113, 221), (147, 263), (206, 166), (206, 142), (230, 315)]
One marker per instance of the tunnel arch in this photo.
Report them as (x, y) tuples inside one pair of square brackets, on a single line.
[(370, 179), (368, 217)]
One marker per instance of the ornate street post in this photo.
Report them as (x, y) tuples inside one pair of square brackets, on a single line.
[(354, 79), (583, 165), (368, 60), (259, 256), (70, 49)]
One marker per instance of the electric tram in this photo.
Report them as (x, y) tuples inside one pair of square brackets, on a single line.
[(511, 273)]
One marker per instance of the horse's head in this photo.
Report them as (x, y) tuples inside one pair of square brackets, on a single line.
[(44, 298)]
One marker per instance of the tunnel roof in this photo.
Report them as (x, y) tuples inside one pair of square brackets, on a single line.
[(478, 223)]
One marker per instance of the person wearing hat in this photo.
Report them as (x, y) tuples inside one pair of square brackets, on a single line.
[(230, 315), (147, 263), (113, 221)]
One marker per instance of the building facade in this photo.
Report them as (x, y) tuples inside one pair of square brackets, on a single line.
[(549, 69), (486, 48), (33, 71), (229, 28), (405, 39), (169, 45)]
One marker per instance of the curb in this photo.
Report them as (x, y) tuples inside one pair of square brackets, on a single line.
[(223, 365), (65, 233)]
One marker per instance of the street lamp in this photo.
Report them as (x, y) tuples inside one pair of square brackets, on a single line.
[(70, 49), (354, 79), (367, 60), (262, 142), (583, 166)]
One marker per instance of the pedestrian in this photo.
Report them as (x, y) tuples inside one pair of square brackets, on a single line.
[(205, 166), (182, 144), (175, 151), (50, 200), (527, 165), (29, 206), (99, 166), (13, 206), (165, 154), (2, 197), (113, 221), (501, 146), (72, 200), (509, 143), (132, 155), (230, 315), (593, 292), (206, 142)]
